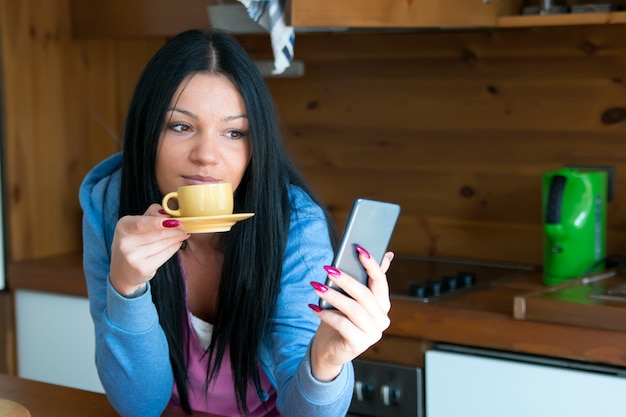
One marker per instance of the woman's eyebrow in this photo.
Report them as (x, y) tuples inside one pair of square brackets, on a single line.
[(239, 116), (195, 116), (186, 112)]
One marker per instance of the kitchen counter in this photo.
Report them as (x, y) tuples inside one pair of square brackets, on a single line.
[(484, 318), (480, 318), (58, 274)]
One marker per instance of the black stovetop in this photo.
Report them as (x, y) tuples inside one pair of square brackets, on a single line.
[(429, 279)]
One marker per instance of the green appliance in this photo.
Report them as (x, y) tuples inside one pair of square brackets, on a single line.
[(574, 214)]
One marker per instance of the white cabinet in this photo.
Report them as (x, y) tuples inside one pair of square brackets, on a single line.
[(55, 340), (472, 382)]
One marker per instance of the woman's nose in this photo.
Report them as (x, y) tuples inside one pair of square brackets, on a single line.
[(205, 149)]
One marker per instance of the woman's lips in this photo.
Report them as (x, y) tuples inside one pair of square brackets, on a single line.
[(200, 179)]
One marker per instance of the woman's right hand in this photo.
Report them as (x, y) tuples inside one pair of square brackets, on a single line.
[(141, 244)]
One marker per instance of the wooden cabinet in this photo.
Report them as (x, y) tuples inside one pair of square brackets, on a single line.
[(432, 14), (397, 13), (144, 18)]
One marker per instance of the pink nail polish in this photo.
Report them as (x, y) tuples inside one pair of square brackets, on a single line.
[(171, 223), (319, 287), (315, 308), (331, 270), (362, 251), (161, 211)]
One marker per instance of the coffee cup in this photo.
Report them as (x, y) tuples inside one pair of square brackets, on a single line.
[(201, 200)]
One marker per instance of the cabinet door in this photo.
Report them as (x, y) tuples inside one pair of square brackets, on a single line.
[(394, 13), (55, 340), (459, 384)]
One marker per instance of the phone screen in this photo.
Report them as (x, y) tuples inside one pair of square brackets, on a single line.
[(370, 225)]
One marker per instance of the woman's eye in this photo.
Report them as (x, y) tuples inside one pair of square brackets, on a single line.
[(180, 127), (237, 134)]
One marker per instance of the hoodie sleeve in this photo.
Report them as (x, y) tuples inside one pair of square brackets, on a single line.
[(132, 354)]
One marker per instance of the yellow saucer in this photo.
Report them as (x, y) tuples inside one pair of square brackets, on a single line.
[(10, 408), (211, 224)]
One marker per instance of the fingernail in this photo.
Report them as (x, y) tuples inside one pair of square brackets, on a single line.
[(161, 211), (362, 251), (171, 223), (331, 270), (319, 287), (315, 308)]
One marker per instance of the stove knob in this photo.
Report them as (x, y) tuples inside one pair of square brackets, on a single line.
[(363, 390), (417, 290), (450, 282), (390, 395), (433, 288), (467, 279)]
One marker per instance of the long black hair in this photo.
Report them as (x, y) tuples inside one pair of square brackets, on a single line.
[(253, 251)]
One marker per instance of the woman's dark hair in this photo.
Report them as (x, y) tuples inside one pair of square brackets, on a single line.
[(247, 297)]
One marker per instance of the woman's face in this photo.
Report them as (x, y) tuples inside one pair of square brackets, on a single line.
[(205, 137)]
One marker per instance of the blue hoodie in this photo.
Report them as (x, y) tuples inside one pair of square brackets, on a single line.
[(131, 349)]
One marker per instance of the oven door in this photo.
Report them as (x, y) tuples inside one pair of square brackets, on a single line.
[(387, 390)]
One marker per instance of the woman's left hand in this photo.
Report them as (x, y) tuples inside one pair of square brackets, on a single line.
[(357, 323)]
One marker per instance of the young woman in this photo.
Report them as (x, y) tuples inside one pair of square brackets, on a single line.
[(225, 323)]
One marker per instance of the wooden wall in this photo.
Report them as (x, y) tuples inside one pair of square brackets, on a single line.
[(456, 126), (64, 105)]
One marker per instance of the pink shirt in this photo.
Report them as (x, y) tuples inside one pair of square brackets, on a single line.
[(220, 398)]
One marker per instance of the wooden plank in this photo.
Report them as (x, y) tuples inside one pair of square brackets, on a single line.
[(429, 103), (461, 195), (377, 148), (427, 234), (581, 302), (90, 108), (391, 13), (18, 126), (132, 55), (466, 47), (129, 18), (449, 71), (565, 19), (91, 93), (52, 160)]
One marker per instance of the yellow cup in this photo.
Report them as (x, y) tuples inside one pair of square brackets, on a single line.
[(215, 199)]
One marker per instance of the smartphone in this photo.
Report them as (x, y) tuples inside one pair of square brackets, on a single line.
[(370, 225)]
